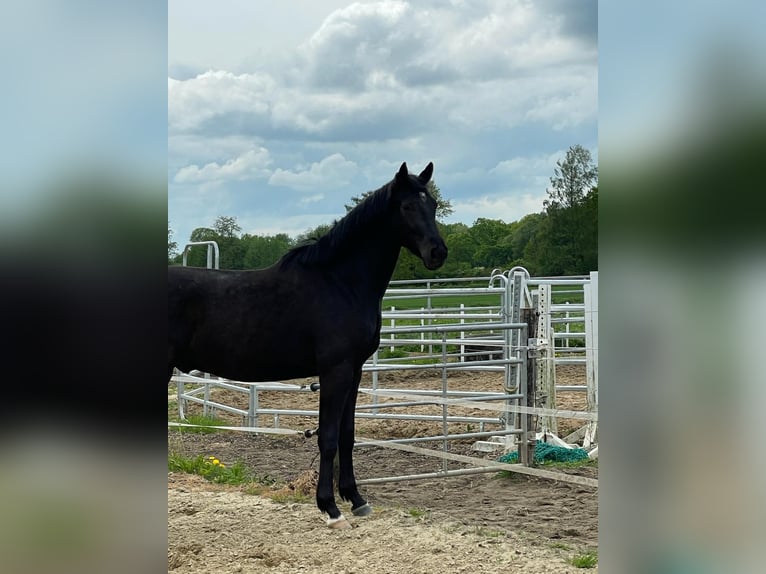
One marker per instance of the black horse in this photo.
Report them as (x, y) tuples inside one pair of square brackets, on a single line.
[(314, 312)]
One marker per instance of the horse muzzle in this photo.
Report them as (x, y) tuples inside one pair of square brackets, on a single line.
[(434, 257)]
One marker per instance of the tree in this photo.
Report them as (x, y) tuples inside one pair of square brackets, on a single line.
[(262, 251), (172, 245), (225, 233), (564, 240), (314, 233), (227, 227), (443, 206), (574, 176)]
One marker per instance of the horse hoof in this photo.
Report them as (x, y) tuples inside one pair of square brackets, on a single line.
[(364, 510), (338, 523)]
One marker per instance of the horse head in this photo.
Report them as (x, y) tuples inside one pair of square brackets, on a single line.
[(416, 214)]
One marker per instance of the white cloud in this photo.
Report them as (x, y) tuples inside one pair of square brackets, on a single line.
[(250, 165), (311, 199), (472, 86), (528, 167), (334, 170), (386, 67), (194, 101), (292, 225), (509, 208)]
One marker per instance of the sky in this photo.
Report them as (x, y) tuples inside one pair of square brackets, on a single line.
[(280, 111)]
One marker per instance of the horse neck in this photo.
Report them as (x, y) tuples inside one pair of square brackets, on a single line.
[(369, 265)]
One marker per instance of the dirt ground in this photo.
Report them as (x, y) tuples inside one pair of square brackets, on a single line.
[(485, 521)]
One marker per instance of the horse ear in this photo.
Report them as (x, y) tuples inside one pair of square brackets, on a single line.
[(401, 175), (425, 175)]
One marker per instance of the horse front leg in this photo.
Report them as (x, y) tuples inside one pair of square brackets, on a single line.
[(346, 480), (334, 386)]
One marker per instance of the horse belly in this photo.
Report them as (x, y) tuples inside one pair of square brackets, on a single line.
[(243, 360)]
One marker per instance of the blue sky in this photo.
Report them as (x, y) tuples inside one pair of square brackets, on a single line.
[(279, 112)]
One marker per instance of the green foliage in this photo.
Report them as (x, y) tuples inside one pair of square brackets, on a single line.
[(586, 560), (172, 245), (206, 424), (566, 239), (264, 250), (210, 468), (573, 177)]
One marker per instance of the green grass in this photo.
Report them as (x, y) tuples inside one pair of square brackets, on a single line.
[(289, 497), (487, 532), (207, 423), (210, 468), (585, 560), (236, 474), (483, 300), (418, 512), (416, 303)]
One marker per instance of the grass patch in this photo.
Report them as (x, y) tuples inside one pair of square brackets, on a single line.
[(560, 546), (487, 532), (416, 303), (418, 512), (210, 468), (585, 560), (285, 497), (206, 424), (237, 475)]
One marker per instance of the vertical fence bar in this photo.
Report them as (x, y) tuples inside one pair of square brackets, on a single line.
[(375, 381), (462, 333), (252, 406), (445, 396), (430, 321), (591, 354), (181, 400), (393, 324)]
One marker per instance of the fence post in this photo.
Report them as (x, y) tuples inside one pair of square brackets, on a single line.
[(591, 355), (393, 324), (462, 333), (252, 406), (375, 381), (527, 389), (547, 356)]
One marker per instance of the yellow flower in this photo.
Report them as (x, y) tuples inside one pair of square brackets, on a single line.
[(216, 461), (222, 465)]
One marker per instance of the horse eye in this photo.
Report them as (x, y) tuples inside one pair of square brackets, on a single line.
[(422, 196)]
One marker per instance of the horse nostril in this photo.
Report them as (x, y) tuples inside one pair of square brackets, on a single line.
[(439, 252)]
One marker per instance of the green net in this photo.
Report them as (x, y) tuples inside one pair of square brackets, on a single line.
[(545, 452)]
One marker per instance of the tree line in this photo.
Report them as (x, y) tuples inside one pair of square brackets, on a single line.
[(562, 239)]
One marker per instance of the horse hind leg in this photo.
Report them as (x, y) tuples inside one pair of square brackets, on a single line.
[(347, 487)]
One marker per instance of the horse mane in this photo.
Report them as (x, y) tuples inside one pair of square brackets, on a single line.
[(345, 232)]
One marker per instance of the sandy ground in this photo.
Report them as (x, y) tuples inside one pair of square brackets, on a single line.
[(223, 530), (483, 522)]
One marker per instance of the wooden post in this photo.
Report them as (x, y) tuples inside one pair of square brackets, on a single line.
[(527, 437)]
